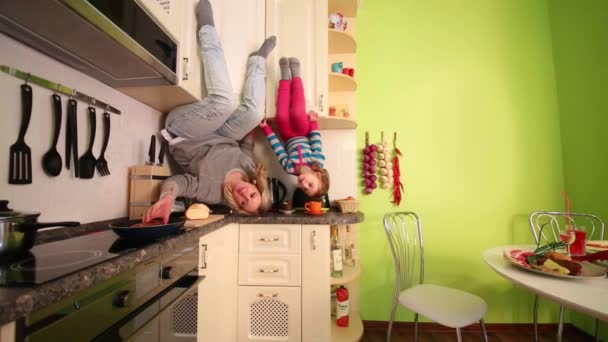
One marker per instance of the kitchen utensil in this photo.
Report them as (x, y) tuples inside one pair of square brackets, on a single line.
[(161, 154), (102, 164), (71, 138), (20, 164), (277, 191), (312, 207), (124, 229), (51, 161), (152, 150), (87, 161), (18, 229)]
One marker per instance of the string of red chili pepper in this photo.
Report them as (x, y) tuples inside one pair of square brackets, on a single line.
[(397, 185)]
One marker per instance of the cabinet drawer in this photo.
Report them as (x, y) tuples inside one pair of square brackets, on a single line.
[(275, 239), (281, 270)]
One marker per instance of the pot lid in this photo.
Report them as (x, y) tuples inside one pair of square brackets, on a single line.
[(6, 212)]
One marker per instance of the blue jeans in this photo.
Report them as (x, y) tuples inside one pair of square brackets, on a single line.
[(216, 113)]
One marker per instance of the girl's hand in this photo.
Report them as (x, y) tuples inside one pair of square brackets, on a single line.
[(161, 209), (313, 116), (264, 123)]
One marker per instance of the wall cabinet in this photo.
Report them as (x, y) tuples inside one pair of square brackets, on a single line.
[(264, 283), (301, 30)]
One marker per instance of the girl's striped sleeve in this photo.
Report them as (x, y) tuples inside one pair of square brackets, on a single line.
[(279, 150), (316, 146)]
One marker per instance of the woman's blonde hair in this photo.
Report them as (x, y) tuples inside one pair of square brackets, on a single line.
[(258, 178), (324, 178)]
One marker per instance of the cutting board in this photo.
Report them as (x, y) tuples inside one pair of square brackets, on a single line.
[(191, 224)]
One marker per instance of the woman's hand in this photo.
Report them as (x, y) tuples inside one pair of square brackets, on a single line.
[(161, 209), (264, 123), (313, 116)]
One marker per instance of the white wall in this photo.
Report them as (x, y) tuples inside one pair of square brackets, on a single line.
[(65, 197)]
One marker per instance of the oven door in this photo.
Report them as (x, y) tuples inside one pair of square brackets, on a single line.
[(153, 321)]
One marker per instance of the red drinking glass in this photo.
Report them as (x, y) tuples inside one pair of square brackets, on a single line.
[(577, 248)]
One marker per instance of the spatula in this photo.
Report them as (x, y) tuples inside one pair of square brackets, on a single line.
[(20, 163), (87, 161)]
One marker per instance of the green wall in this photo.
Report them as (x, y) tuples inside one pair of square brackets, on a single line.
[(469, 86), (580, 47)]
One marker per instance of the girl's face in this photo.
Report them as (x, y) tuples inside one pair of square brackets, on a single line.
[(310, 183), (247, 196)]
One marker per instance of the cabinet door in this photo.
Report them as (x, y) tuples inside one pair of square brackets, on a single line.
[(315, 284), (301, 30), (189, 62), (269, 314), (240, 25), (217, 293)]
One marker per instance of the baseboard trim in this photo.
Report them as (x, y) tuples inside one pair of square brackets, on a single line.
[(490, 327)]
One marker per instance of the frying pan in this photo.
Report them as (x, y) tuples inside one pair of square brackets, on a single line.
[(124, 229)]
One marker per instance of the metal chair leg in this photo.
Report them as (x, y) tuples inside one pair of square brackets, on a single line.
[(597, 330), (483, 330), (560, 327), (535, 317), (458, 335), (416, 327), (390, 322)]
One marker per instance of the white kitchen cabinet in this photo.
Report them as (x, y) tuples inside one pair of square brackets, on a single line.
[(315, 284), (240, 25), (301, 30), (269, 314), (217, 293)]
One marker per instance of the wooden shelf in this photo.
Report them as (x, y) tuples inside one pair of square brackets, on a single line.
[(329, 122), (349, 273), (352, 333), (347, 8), (341, 42), (341, 82)]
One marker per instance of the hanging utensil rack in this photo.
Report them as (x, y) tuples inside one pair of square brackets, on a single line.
[(57, 87)]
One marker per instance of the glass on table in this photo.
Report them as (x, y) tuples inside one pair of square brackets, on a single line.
[(568, 236), (575, 239)]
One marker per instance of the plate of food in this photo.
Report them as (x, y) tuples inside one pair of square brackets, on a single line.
[(552, 263), (137, 230), (596, 245)]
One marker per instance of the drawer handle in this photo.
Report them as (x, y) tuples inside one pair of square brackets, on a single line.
[(274, 270), (275, 239), (273, 295)]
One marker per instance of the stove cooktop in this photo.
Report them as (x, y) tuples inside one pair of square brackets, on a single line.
[(49, 261)]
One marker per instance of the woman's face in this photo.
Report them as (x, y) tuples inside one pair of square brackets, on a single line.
[(247, 196)]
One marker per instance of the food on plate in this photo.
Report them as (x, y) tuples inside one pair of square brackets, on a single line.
[(551, 267), (547, 259), (151, 223), (557, 256), (198, 211)]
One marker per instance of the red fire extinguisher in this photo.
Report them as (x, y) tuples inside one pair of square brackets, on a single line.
[(342, 307)]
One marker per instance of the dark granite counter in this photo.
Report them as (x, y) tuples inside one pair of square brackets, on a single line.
[(18, 302)]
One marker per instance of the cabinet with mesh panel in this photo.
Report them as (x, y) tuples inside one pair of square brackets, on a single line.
[(268, 313)]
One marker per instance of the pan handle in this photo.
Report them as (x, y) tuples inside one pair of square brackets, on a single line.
[(25, 227)]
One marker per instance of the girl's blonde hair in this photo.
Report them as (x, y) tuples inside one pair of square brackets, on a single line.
[(324, 178), (258, 178)]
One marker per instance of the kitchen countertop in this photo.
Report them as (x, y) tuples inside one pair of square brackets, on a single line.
[(18, 302)]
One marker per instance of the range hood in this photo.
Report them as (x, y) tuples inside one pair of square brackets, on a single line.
[(116, 41)]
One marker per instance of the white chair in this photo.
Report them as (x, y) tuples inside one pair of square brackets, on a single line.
[(446, 306), (546, 226)]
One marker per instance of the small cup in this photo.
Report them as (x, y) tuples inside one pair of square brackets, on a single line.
[(337, 67), (345, 71), (332, 111), (313, 207), (351, 72), (286, 205)]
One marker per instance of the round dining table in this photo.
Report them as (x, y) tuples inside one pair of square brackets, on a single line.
[(589, 296)]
